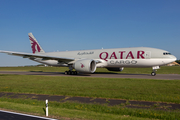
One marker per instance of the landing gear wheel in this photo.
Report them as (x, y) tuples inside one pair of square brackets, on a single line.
[(153, 74), (70, 72), (75, 72)]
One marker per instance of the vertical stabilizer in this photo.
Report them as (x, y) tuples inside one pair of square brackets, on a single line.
[(36, 48)]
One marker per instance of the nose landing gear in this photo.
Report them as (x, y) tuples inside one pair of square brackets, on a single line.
[(154, 70), (153, 73)]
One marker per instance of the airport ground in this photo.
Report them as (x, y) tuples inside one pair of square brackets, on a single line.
[(92, 97)]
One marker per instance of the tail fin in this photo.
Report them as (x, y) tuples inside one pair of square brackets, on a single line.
[(36, 48)]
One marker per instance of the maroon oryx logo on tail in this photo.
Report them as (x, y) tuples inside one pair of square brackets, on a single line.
[(34, 45)]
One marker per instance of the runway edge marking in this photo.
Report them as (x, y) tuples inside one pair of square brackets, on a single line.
[(27, 115)]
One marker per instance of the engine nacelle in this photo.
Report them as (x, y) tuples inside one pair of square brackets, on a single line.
[(85, 66), (115, 69)]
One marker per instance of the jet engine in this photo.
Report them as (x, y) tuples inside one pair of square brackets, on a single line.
[(85, 66), (115, 69)]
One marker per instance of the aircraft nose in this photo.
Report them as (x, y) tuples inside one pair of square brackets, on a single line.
[(170, 59), (173, 58)]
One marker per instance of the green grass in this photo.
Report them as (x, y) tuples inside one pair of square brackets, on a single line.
[(162, 70), (86, 111), (129, 89)]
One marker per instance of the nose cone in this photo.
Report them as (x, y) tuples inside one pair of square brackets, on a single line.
[(170, 59), (173, 58)]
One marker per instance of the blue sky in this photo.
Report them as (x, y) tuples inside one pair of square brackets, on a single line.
[(61, 25)]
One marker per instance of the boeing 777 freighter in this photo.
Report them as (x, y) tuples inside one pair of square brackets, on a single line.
[(87, 61)]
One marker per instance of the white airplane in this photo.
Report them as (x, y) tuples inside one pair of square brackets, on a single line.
[(86, 61)]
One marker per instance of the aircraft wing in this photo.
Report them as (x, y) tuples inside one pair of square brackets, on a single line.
[(30, 55)]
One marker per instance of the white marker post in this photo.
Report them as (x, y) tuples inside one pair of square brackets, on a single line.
[(46, 107)]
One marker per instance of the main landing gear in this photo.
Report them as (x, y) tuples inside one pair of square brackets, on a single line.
[(70, 72), (154, 70)]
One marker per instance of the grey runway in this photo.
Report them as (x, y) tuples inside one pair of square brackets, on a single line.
[(6, 115), (100, 75)]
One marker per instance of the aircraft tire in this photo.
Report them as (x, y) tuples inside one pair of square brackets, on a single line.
[(153, 74), (70, 72), (75, 72)]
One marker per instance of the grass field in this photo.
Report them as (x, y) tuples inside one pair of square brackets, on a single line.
[(86, 111), (128, 89)]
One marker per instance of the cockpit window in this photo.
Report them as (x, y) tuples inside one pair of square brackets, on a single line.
[(166, 53)]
